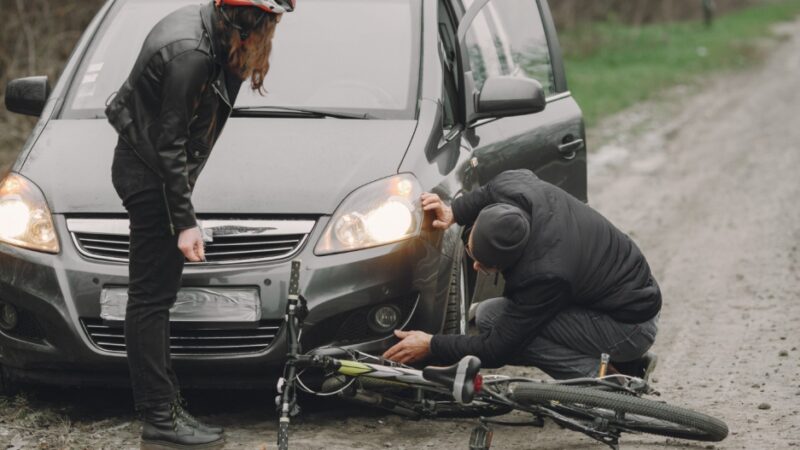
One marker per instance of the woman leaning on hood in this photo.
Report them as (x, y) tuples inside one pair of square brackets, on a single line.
[(168, 114)]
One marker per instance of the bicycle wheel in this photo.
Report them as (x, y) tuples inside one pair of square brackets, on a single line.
[(639, 414), (457, 315)]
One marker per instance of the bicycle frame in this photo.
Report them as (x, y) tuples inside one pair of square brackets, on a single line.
[(297, 310)]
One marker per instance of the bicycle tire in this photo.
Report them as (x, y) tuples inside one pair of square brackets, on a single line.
[(675, 421), (457, 308)]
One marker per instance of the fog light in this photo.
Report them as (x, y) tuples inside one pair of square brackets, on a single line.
[(384, 318), (8, 317)]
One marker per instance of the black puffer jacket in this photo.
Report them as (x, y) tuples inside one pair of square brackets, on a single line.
[(574, 257), (175, 103)]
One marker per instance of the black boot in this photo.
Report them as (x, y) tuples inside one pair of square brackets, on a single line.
[(163, 429), (182, 404), (641, 368)]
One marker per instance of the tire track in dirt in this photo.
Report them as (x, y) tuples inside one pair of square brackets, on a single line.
[(722, 237)]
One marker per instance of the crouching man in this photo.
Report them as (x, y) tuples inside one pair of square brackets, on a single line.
[(576, 286)]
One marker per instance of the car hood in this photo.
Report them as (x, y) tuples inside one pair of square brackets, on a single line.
[(259, 165)]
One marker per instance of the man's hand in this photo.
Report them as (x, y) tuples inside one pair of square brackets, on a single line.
[(444, 215), (415, 346), (190, 241)]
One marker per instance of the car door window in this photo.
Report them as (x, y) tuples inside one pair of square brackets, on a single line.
[(507, 38), (449, 99), (447, 50)]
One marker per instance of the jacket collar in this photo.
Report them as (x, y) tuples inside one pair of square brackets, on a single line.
[(207, 13), (218, 52)]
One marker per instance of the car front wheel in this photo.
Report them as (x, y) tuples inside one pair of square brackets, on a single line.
[(456, 318)]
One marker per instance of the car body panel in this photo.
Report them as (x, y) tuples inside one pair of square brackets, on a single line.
[(62, 289), (532, 142), (325, 155)]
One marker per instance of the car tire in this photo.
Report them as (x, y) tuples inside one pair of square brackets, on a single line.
[(7, 387), (457, 314)]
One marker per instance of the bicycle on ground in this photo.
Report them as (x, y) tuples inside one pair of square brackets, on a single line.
[(602, 408)]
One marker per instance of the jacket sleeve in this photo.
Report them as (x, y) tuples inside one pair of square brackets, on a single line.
[(507, 187), (183, 81), (523, 316), (467, 207)]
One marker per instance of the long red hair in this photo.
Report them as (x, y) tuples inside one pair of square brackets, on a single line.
[(248, 58)]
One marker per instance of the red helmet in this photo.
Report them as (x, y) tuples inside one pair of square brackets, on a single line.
[(270, 6)]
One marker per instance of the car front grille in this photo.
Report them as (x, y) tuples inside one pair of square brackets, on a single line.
[(192, 338), (233, 241)]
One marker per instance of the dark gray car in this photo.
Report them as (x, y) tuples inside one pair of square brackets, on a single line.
[(370, 103)]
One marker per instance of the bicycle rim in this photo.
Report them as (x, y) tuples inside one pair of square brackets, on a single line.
[(637, 414)]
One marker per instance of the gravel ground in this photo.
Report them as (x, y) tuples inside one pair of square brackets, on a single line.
[(706, 182)]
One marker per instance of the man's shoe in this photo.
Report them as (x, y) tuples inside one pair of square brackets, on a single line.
[(640, 368), (649, 362), (181, 404), (163, 429)]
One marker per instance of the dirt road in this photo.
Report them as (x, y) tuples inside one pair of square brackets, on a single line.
[(707, 183)]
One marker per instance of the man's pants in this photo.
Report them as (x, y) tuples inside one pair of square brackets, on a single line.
[(154, 270), (570, 345)]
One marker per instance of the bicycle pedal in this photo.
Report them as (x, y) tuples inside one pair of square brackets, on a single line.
[(641, 387), (294, 410), (481, 438)]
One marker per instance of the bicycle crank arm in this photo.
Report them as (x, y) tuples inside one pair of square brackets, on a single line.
[(609, 438)]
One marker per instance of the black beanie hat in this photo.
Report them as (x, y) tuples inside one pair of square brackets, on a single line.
[(500, 235)]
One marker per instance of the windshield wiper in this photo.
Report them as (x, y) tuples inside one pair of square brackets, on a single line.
[(283, 111)]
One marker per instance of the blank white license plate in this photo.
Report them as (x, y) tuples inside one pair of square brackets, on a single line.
[(194, 304)]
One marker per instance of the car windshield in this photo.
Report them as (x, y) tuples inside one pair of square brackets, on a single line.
[(348, 56)]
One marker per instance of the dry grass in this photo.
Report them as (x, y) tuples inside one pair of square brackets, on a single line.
[(20, 418)]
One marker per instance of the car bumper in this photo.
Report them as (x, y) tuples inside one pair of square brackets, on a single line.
[(55, 294)]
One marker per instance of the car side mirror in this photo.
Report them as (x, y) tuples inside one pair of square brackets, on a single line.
[(27, 95), (505, 96)]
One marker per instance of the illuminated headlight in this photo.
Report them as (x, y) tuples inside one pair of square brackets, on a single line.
[(25, 219), (379, 213)]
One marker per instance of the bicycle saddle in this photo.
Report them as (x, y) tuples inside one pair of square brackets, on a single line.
[(463, 378)]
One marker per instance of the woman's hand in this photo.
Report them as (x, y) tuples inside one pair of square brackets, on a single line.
[(444, 215), (190, 241)]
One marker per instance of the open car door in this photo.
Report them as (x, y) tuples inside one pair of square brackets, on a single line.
[(499, 40)]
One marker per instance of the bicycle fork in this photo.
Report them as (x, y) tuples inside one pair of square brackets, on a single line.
[(296, 311)]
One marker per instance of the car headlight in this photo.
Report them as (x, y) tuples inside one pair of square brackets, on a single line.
[(25, 219), (379, 213)]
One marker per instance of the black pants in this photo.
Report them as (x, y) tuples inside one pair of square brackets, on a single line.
[(154, 270), (570, 345)]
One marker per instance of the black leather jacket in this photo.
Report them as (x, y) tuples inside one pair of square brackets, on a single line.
[(575, 257), (175, 103)]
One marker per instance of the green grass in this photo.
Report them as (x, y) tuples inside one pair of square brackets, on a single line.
[(611, 66)]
